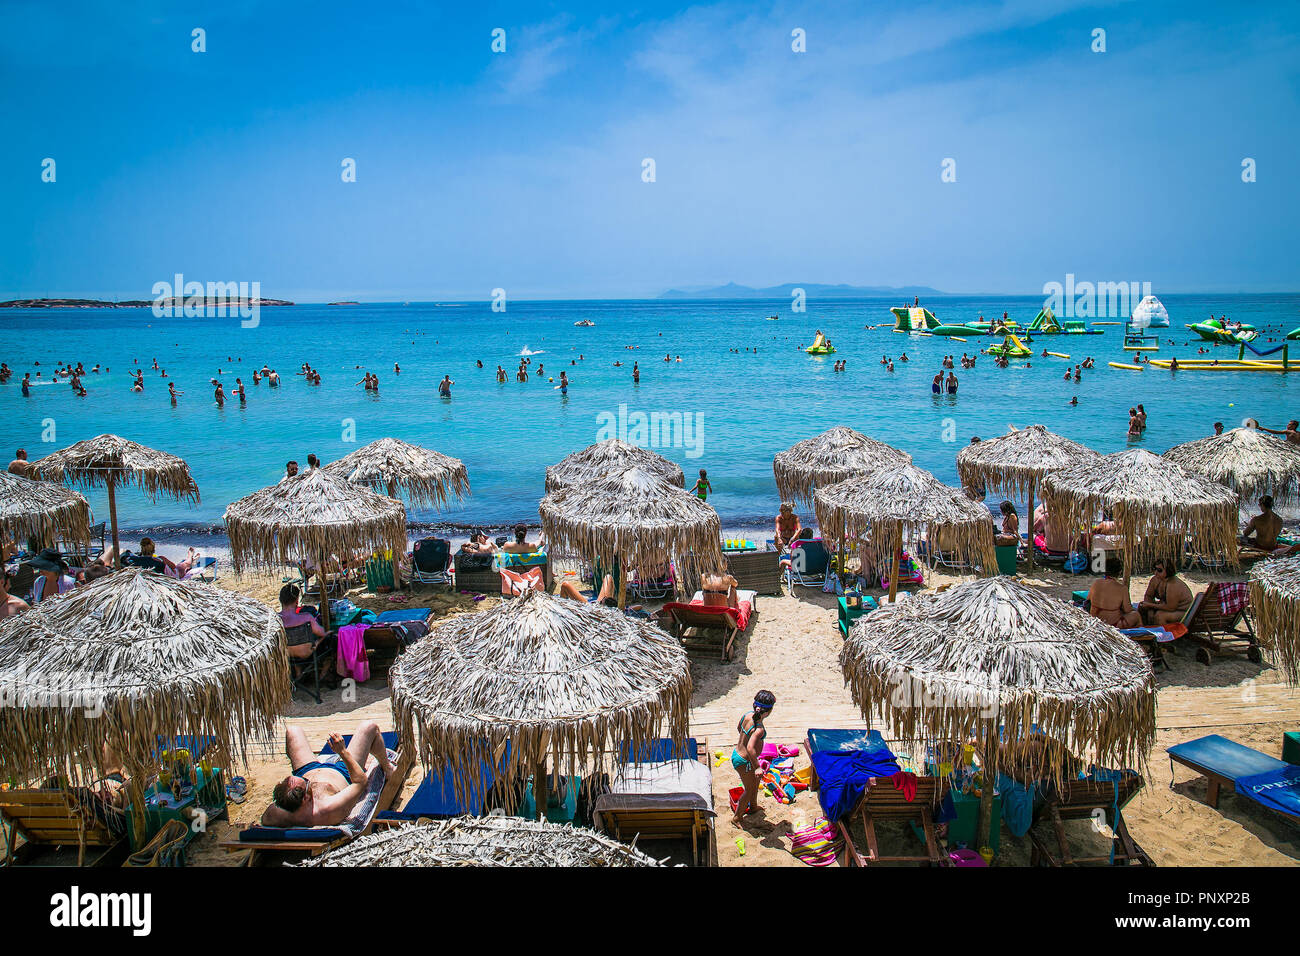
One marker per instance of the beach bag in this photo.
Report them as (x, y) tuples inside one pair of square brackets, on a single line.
[(817, 845), (1077, 562), (832, 584)]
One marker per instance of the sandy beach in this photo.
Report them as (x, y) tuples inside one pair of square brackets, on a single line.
[(791, 649)]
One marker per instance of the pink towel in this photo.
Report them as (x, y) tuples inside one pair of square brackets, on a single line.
[(352, 651)]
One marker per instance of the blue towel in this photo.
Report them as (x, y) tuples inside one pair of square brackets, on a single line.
[(842, 777), (260, 834), (1277, 789), (403, 614), (1017, 804)]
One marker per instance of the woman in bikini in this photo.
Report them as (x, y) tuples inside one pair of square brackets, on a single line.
[(748, 750), (1108, 598)]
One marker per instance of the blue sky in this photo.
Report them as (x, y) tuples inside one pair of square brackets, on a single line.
[(522, 170)]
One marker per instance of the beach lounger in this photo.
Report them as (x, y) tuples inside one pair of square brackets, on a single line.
[(472, 576), (651, 589), (667, 794), (1215, 621), (435, 798), (262, 840), (758, 571), (391, 632), (809, 561), (1078, 800), (430, 561), (59, 817), (1267, 781), (696, 620)]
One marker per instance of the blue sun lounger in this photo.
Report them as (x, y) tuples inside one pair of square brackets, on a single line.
[(436, 798), (1272, 783)]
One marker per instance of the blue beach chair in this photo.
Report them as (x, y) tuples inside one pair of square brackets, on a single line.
[(1267, 781)]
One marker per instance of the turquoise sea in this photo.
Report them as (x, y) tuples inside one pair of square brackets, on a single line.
[(742, 405)]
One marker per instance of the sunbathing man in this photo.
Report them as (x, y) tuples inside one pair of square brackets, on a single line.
[(324, 790), (1167, 597), (788, 526), (1108, 599)]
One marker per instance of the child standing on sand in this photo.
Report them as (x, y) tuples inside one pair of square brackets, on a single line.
[(748, 750), (702, 488)]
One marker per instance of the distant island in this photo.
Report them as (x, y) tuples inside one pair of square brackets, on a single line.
[(342, 303), (813, 289), (174, 301)]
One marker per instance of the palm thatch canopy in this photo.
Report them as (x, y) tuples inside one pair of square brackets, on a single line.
[(1275, 598), (544, 674), (128, 658), (41, 510), (311, 514), (428, 478), (1156, 503), (834, 455), (1014, 463), (634, 517), (1250, 462), (957, 664), (484, 841), (610, 457), (110, 460), (895, 503)]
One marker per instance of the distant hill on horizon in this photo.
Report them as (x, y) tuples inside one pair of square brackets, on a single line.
[(813, 289)]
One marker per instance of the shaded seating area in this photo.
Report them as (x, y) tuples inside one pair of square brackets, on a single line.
[(1108, 791), (1219, 622), (57, 817), (1266, 781), (665, 794)]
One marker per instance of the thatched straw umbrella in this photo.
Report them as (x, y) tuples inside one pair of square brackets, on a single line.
[(1016, 462), (129, 658), (894, 503), (993, 654), (484, 841), (635, 519), (834, 455), (1247, 460), (1155, 502), (545, 675), (313, 514), (428, 478), (609, 457), (107, 461), (1275, 599), (41, 511)]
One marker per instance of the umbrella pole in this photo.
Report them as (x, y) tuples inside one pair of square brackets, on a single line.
[(893, 574), (985, 825), (397, 552), (1031, 526), (541, 789), (1128, 558), (622, 587), (112, 517), (322, 574)]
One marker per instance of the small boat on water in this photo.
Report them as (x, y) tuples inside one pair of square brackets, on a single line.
[(773, 318), (585, 322)]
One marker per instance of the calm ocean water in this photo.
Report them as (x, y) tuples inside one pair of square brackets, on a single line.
[(743, 406)]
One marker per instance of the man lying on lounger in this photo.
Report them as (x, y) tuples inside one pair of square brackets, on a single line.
[(324, 790)]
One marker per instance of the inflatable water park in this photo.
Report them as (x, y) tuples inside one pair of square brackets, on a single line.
[(1231, 333), (821, 346), (919, 320), (1011, 347)]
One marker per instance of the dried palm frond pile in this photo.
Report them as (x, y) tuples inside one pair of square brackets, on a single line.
[(610, 457), (484, 841), (428, 478), (129, 658), (834, 455), (1275, 599), (1156, 503), (108, 459), (893, 504), (311, 514), (41, 511), (1250, 462), (959, 664), (637, 518), (1014, 463), (535, 678)]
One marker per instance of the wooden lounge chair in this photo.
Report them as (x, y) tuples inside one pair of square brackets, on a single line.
[(881, 802), (57, 817), (758, 571), (1227, 764), (663, 816), (1218, 632), (700, 622), (313, 841), (488, 580), (1079, 801)]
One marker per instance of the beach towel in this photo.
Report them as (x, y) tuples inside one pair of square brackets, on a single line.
[(843, 776), (352, 652), (818, 844), (1277, 789), (1017, 804), (1233, 597), (514, 583)]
